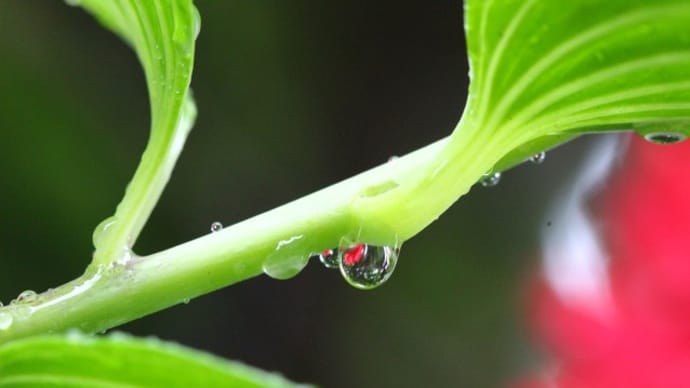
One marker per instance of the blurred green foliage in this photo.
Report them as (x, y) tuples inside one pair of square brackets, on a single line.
[(79, 360), (292, 96)]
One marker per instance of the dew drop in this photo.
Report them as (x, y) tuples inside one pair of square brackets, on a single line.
[(27, 296), (664, 137), (367, 266), (329, 258), (5, 321), (491, 179), (216, 227), (538, 158), (285, 268), (288, 259), (102, 230), (185, 300)]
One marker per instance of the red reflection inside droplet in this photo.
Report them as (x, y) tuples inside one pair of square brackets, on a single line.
[(353, 255)]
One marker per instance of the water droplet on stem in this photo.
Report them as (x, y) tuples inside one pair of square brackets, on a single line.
[(538, 158), (285, 268), (27, 296), (329, 258), (288, 259), (664, 137), (367, 266), (103, 228), (491, 179), (216, 227), (5, 321)]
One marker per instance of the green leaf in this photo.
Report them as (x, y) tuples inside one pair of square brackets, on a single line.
[(120, 360), (544, 67), (541, 73), (162, 33)]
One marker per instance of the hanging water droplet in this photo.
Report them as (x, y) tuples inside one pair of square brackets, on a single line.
[(288, 259), (664, 137), (367, 266), (27, 296), (216, 227), (103, 228), (491, 179), (285, 268), (185, 300), (538, 158), (5, 320), (329, 258)]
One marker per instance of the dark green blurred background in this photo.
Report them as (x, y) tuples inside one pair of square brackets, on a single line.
[(292, 96)]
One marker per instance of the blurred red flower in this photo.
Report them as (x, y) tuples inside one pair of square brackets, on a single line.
[(631, 328)]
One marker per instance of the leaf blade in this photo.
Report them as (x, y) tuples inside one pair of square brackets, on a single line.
[(539, 60), (163, 34), (120, 360)]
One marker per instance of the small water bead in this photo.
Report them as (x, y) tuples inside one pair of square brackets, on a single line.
[(5, 321), (538, 158), (216, 227), (103, 228), (329, 258), (367, 266), (27, 296), (282, 268), (491, 179), (664, 137), (288, 259)]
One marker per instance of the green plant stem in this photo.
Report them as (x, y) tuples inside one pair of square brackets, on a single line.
[(131, 287), (162, 33), (146, 187), (106, 296)]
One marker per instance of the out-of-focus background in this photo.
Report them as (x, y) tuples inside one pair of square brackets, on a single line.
[(292, 96)]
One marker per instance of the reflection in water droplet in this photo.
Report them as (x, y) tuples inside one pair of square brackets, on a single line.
[(102, 230), (490, 179), (5, 321), (367, 266), (664, 137), (216, 227), (538, 158), (329, 258), (27, 296)]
